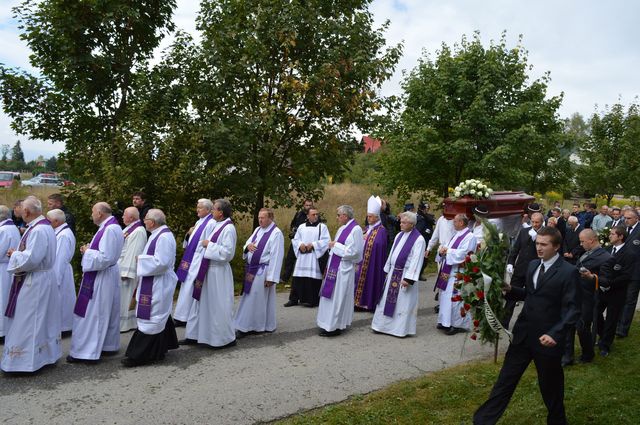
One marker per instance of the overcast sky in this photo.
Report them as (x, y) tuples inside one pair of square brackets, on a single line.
[(590, 47)]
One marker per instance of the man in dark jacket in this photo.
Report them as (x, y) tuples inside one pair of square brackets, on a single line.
[(588, 265), (550, 310), (631, 298), (299, 218), (571, 248), (613, 280)]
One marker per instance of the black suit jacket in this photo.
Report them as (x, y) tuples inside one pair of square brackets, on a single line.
[(633, 241), (571, 244), (593, 263), (523, 251), (618, 271), (552, 308)]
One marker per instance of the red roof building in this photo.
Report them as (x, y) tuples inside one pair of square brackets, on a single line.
[(370, 144)]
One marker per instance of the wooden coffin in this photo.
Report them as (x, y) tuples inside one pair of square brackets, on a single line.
[(500, 204)]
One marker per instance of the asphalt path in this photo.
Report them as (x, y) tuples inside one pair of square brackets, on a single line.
[(264, 377)]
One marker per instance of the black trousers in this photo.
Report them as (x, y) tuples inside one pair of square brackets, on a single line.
[(550, 380), (289, 265), (613, 303), (629, 308), (584, 328)]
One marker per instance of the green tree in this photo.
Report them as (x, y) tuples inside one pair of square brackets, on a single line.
[(52, 163), (5, 149), (17, 156), (277, 89), (472, 112), (608, 154)]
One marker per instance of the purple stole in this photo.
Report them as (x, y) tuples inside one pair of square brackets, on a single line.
[(398, 270), (254, 265), (445, 269), (8, 222), (146, 285), (204, 264), (332, 270), (88, 278), (18, 280), (133, 227), (189, 252)]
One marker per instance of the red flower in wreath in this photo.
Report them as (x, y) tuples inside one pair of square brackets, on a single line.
[(480, 294), (467, 259), (467, 306), (466, 278), (474, 337), (476, 323), (475, 269), (456, 298)]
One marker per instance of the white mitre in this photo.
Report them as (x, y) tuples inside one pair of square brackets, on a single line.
[(374, 204)]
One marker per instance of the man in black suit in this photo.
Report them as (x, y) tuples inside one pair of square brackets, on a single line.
[(523, 251), (616, 215), (588, 265), (550, 310), (631, 299), (613, 280), (571, 248)]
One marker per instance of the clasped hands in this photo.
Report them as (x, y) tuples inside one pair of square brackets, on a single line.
[(305, 247)]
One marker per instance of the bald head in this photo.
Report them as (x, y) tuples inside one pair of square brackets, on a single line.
[(572, 221), (100, 212), (536, 220), (130, 215), (589, 239)]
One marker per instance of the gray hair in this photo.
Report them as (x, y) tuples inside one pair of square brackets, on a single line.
[(157, 216), (589, 234), (224, 206), (346, 210), (133, 211), (206, 203), (32, 204), (58, 215), (572, 219), (5, 212), (411, 216), (103, 207), (462, 217)]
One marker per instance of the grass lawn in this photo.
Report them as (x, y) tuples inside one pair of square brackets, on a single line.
[(606, 391)]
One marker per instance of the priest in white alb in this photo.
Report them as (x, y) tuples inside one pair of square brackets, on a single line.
[(310, 243), (32, 315), (135, 238), (191, 258), (453, 255), (211, 317), (263, 253), (397, 311), (335, 312), (65, 248), (9, 239), (96, 316), (155, 333)]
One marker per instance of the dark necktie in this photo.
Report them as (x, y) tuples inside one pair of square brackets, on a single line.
[(540, 274), (615, 248)]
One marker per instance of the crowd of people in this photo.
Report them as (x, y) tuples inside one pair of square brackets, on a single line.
[(129, 280)]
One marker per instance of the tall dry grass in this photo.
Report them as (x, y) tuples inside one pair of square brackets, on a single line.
[(16, 192)]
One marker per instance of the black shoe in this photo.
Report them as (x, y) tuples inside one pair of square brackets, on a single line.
[(604, 353), (440, 326), (229, 345), (584, 360), (308, 305), (109, 353), (330, 333), (621, 335), (290, 303), (127, 362), (453, 330), (436, 309), (71, 359), (241, 334), (179, 323), (187, 341), (566, 363)]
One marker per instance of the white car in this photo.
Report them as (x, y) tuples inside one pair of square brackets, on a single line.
[(43, 181)]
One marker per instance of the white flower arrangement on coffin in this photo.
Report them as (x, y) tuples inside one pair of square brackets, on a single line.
[(473, 188)]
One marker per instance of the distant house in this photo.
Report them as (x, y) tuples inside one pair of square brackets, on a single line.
[(370, 144)]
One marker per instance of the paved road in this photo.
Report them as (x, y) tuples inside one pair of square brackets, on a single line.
[(263, 378)]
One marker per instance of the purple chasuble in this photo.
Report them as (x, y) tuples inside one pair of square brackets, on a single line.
[(18, 279), (332, 270), (189, 252), (445, 269), (133, 227), (204, 264), (88, 278), (146, 284), (398, 271), (254, 265), (370, 275)]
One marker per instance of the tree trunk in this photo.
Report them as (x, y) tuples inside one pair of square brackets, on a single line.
[(259, 206)]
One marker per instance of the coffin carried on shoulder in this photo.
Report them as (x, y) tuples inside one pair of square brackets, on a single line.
[(499, 204)]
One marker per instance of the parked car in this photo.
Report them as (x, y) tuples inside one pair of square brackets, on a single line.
[(43, 181), (7, 178)]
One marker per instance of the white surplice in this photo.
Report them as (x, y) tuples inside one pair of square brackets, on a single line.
[(66, 247), (449, 313), (99, 330), (211, 319), (159, 265), (257, 309), (185, 298), (307, 262), (33, 334), (404, 318), (442, 233), (133, 246), (9, 238), (337, 312)]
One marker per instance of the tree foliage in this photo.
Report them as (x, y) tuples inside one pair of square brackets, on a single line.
[(472, 112), (608, 153)]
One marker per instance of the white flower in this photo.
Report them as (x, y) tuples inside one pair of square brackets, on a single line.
[(486, 194), (490, 191), (474, 258), (457, 194), (473, 192)]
